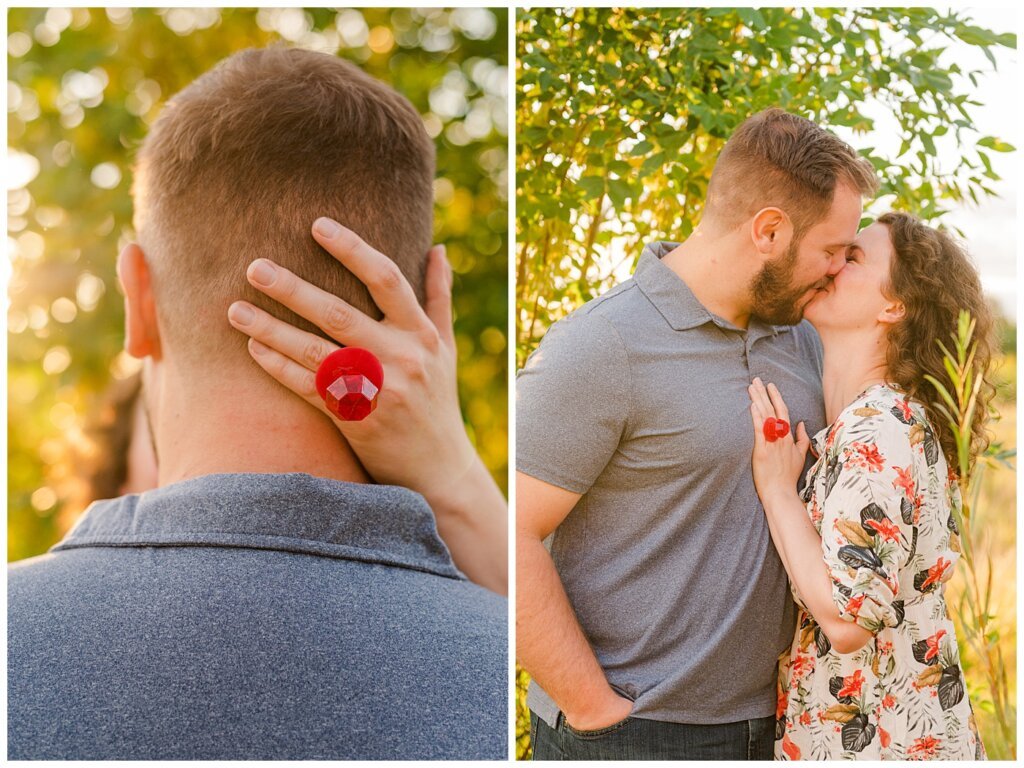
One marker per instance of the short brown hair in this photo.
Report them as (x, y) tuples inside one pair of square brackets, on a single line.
[(934, 278), (242, 161), (777, 159)]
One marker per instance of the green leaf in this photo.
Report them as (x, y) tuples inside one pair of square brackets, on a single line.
[(996, 145), (618, 192), (929, 145), (592, 186), (642, 148)]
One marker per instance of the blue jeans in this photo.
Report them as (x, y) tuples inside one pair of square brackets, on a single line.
[(638, 739)]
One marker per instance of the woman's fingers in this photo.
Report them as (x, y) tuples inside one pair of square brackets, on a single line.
[(758, 413), (295, 377), (781, 411), (760, 395), (758, 419), (802, 439), (385, 281), (307, 349), (338, 319), (439, 293)]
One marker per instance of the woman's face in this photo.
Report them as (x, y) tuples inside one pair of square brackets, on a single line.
[(854, 299)]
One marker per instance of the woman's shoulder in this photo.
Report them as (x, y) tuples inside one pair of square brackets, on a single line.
[(881, 413), (888, 400)]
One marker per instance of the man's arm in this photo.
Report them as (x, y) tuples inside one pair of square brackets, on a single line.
[(550, 643)]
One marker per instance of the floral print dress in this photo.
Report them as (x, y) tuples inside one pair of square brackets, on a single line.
[(880, 495)]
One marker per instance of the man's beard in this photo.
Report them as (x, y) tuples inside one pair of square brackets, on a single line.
[(773, 296)]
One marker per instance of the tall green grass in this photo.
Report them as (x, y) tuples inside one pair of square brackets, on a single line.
[(983, 594)]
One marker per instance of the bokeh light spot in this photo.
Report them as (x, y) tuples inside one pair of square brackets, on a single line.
[(50, 216), (59, 18), (63, 310), (475, 23), (89, 291), (185, 21), (43, 499), (62, 153), (31, 246), (18, 44), (17, 321), (85, 86), (120, 17), (352, 27), (22, 168), (56, 360), (444, 192), (381, 40), (46, 34), (106, 176), (38, 317)]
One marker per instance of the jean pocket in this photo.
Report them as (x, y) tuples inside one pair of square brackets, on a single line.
[(598, 732)]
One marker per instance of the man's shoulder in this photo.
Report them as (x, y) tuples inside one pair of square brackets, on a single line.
[(33, 571), (602, 322), (615, 308), (478, 606)]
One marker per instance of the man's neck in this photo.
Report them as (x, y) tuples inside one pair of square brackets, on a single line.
[(207, 428), (715, 271)]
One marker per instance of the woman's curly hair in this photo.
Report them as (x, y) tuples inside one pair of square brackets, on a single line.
[(933, 276)]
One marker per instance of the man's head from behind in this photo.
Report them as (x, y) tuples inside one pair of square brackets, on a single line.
[(243, 160), (796, 190)]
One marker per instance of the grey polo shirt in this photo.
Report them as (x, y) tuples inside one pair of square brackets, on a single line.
[(255, 616), (638, 401)]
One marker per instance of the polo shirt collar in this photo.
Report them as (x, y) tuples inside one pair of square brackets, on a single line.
[(293, 512), (674, 300)]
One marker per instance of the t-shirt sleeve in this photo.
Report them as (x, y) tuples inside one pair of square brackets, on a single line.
[(869, 516), (572, 401)]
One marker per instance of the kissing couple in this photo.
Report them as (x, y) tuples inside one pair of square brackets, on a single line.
[(736, 490)]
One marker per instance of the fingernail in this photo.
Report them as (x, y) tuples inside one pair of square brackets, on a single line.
[(263, 272), (326, 227), (256, 347), (241, 313)]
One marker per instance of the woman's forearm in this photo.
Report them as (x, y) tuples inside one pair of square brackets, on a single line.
[(799, 547), (472, 520)]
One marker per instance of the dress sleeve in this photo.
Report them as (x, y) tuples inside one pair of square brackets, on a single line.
[(869, 515)]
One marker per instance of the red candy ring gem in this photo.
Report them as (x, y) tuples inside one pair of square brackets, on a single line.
[(775, 429), (349, 380)]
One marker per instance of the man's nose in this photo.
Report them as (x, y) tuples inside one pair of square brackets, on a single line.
[(837, 263)]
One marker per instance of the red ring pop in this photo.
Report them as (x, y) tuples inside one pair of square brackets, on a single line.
[(349, 380), (775, 429)]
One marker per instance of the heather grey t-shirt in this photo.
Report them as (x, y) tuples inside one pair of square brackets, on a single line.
[(638, 400)]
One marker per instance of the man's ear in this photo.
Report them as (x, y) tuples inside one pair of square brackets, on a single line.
[(770, 230), (142, 334)]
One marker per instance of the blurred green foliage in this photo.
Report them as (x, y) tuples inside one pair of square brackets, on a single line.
[(622, 112), (84, 85)]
